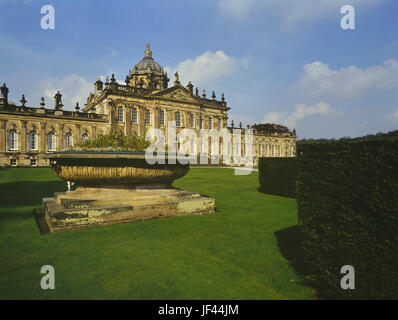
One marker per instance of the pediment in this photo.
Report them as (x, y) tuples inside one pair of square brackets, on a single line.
[(177, 93)]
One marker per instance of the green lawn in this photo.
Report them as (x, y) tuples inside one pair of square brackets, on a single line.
[(232, 254)]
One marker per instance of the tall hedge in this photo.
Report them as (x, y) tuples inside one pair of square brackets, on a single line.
[(278, 176), (348, 205)]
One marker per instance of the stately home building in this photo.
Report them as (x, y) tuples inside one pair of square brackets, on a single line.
[(27, 134)]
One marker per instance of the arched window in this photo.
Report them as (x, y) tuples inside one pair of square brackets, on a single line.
[(84, 137), (201, 122), (272, 151), (260, 150), (192, 120), (32, 140), (177, 118), (134, 115), (51, 142), (147, 117), (120, 114), (219, 124), (210, 123), (68, 140), (13, 140), (161, 117)]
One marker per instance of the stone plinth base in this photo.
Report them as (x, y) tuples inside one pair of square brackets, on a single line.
[(90, 207)]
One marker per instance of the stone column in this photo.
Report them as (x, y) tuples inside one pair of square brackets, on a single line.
[(127, 121), (3, 135), (60, 137), (141, 120), (156, 117), (42, 140), (23, 143), (79, 137)]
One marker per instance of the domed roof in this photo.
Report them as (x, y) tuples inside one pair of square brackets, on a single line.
[(147, 64)]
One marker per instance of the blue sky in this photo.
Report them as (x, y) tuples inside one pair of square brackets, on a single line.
[(284, 61)]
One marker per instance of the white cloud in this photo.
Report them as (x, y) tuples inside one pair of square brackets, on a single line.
[(290, 12), (301, 111), (73, 88), (319, 80), (393, 115), (237, 9), (208, 67)]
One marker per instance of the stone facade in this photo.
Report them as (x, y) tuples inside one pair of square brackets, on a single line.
[(146, 101)]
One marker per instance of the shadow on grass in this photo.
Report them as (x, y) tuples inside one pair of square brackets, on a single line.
[(290, 242), (28, 193)]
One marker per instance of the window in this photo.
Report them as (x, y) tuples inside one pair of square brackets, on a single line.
[(201, 122), (237, 149), (210, 123), (32, 140), (219, 124), (272, 151), (13, 140), (266, 150), (13, 162), (177, 118), (279, 151), (68, 140), (147, 117), (84, 137), (120, 115), (33, 162), (134, 115), (161, 117), (192, 120), (260, 150), (51, 142)]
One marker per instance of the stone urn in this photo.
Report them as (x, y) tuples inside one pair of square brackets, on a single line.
[(115, 169), (116, 187)]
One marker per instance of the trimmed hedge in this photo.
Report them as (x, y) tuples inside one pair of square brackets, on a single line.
[(348, 205), (278, 176)]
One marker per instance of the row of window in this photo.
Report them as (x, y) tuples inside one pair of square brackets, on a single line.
[(13, 162), (270, 150), (33, 140), (177, 118)]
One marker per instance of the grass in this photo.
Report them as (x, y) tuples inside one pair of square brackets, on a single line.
[(235, 253)]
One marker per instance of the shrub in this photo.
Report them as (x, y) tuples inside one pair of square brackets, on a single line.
[(278, 176), (348, 205), (113, 141)]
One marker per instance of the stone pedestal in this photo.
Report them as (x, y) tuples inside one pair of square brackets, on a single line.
[(89, 207)]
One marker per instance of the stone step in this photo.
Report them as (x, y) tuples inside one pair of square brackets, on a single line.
[(60, 218)]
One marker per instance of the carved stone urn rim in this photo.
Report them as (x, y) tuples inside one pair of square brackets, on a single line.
[(106, 155)]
